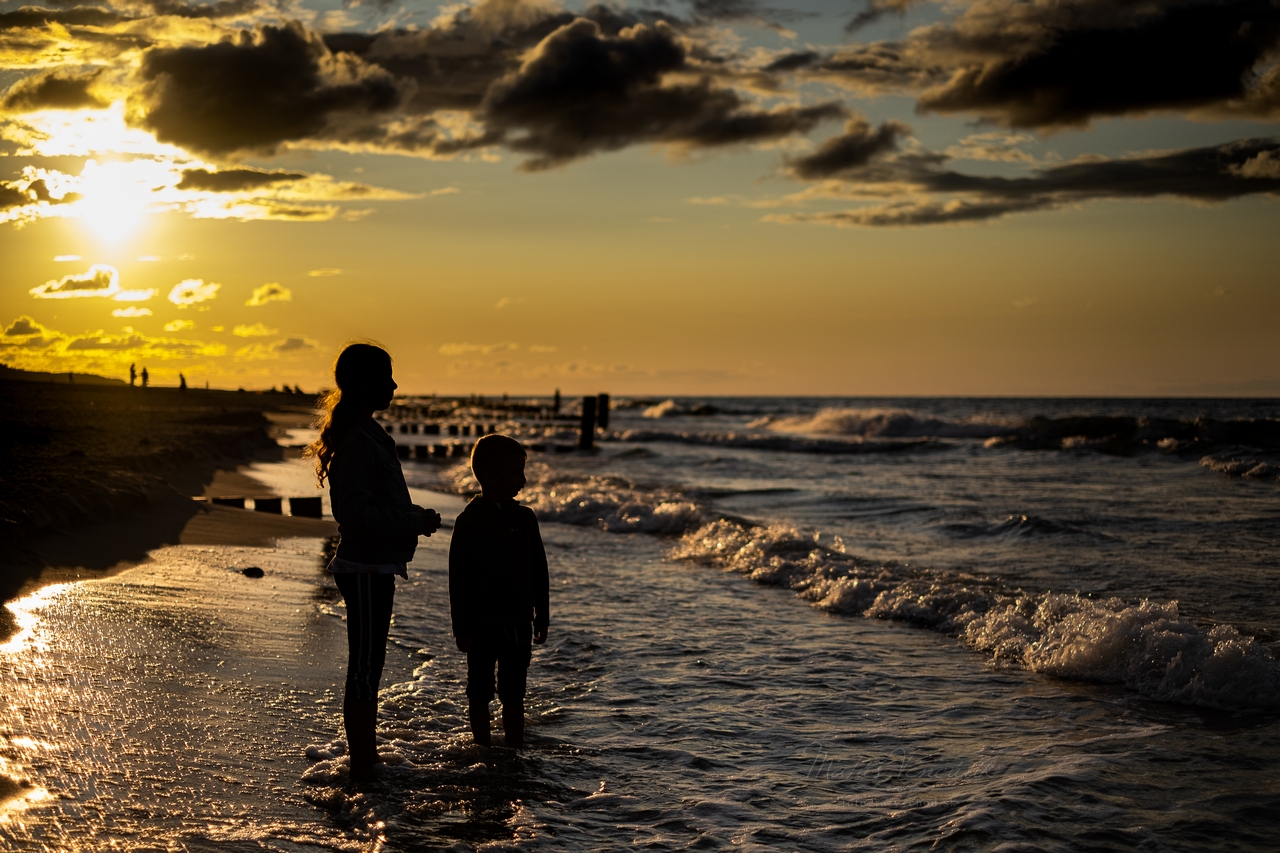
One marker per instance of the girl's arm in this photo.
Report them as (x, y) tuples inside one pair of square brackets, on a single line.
[(352, 478)]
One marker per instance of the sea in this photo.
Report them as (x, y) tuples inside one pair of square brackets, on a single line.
[(809, 624)]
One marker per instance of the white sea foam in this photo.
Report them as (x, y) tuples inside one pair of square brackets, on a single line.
[(665, 409), (1148, 646), (610, 503), (1250, 464), (885, 423), (766, 441)]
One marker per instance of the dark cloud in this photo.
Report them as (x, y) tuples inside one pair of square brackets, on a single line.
[(11, 196), (1215, 173), (793, 61), (1056, 63), (850, 151), (455, 63), (234, 180), (585, 91), (34, 16), (1063, 63), (908, 213), (877, 9), (934, 194), (875, 68), (257, 90), (57, 89), (222, 9)]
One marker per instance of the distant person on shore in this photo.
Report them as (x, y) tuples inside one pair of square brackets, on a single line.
[(498, 587), (379, 528), (133, 373), (146, 377), (182, 382)]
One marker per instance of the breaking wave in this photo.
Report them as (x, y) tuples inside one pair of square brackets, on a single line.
[(1148, 647), (764, 441), (611, 503), (886, 423), (1250, 464)]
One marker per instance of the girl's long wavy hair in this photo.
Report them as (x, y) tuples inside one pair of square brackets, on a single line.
[(357, 370)]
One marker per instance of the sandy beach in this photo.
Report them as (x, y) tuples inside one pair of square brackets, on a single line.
[(95, 476)]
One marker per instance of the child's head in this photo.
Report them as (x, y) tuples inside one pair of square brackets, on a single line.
[(498, 464)]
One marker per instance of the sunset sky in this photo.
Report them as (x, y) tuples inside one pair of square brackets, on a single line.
[(1052, 197)]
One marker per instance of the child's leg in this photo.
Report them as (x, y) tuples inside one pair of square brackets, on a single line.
[(513, 721), (513, 670), (369, 601), (480, 661)]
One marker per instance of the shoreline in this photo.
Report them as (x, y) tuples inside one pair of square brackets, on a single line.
[(93, 477)]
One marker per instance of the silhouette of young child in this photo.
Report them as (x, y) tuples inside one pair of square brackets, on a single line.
[(498, 588)]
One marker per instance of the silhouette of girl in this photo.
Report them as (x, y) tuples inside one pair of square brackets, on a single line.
[(379, 528)]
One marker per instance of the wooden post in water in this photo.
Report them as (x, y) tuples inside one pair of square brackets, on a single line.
[(602, 411), (587, 436), (555, 408)]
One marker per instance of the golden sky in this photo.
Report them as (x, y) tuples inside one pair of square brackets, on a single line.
[(1057, 197)]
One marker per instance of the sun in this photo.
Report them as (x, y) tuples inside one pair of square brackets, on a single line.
[(117, 188), (116, 198)]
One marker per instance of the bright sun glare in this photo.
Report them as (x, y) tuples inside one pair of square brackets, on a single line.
[(117, 196)]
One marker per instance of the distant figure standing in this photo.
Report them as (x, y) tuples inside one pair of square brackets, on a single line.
[(133, 374), (146, 377), (182, 382), (498, 587), (379, 528)]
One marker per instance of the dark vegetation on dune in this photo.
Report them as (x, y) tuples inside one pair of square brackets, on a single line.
[(75, 455)]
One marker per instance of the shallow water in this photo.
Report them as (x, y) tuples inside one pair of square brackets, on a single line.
[(679, 705)]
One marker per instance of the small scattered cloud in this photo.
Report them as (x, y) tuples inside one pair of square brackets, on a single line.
[(261, 351), (217, 328), (292, 344), (22, 327), (234, 180), (272, 291), (131, 311), (135, 295), (1220, 290), (446, 191), (98, 280), (503, 302), (179, 325), (483, 349), (63, 259), (325, 272), (257, 330), (540, 348), (193, 291), (1025, 301)]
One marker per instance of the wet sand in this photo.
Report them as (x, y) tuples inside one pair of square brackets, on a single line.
[(93, 477)]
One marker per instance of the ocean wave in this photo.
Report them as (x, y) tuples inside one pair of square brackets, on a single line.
[(886, 423), (1014, 526), (758, 441), (1250, 464), (1148, 647), (670, 409), (610, 503)]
